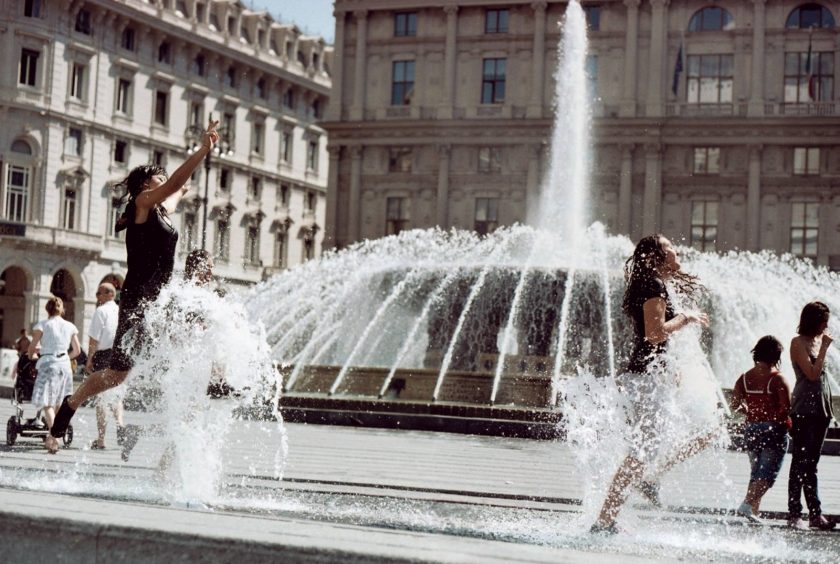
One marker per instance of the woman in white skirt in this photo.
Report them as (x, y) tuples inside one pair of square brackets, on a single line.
[(55, 336)]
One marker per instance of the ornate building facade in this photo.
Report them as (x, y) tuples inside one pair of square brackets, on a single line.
[(716, 123), (97, 87)]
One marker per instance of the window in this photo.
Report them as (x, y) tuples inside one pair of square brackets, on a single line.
[(252, 245), (592, 77), (165, 53), (73, 142), (120, 152), (199, 65), (257, 138), (806, 161), (706, 160), (496, 21), (810, 15), (809, 77), (396, 215), (283, 195), (29, 67), (593, 17), (181, 8), (402, 84), (161, 102), (254, 188), (127, 39), (286, 147), (197, 113), (214, 22), (493, 81), (709, 79), (224, 180), (290, 50), (405, 24), (70, 208), (400, 159), (222, 242), (157, 157), (302, 59), (17, 193), (316, 109), (114, 217), (231, 25), (229, 125), (261, 91), (230, 77), (83, 22), (712, 18), (124, 96), (77, 81), (310, 202), (261, 37), (704, 222), (289, 99), (32, 8), (189, 230), (804, 228), (489, 159), (312, 156), (280, 248), (200, 12), (486, 215), (309, 244), (244, 35)]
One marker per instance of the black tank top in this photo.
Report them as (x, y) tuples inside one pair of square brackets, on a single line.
[(645, 352), (150, 248)]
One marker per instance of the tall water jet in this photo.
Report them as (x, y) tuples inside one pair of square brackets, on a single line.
[(564, 194)]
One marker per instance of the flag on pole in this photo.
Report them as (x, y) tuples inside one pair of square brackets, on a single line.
[(678, 68), (809, 70)]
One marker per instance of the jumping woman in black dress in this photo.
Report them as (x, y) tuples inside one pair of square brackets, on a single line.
[(150, 244)]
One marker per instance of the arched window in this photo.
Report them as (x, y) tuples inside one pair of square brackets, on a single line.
[(810, 15), (19, 177), (711, 18), (21, 146)]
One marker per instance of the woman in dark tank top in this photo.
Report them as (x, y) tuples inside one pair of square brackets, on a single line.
[(810, 412), (150, 250)]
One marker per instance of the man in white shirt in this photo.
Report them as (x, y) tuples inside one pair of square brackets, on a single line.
[(103, 328)]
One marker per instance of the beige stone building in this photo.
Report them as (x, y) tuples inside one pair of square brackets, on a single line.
[(442, 109), (96, 87)]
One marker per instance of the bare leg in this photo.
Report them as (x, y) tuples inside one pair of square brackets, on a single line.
[(96, 384), (681, 453), (49, 415), (628, 473), (117, 410), (755, 492), (101, 424)]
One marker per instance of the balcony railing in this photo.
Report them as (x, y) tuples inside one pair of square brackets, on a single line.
[(705, 110), (64, 238), (803, 109)]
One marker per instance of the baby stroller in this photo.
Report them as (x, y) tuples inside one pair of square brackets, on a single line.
[(32, 427)]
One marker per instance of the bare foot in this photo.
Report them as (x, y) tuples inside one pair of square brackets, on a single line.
[(52, 444)]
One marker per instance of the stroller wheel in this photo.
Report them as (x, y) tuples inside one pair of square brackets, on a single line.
[(68, 436), (11, 431)]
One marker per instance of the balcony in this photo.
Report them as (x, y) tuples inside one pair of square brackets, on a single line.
[(803, 109), (64, 239), (705, 110)]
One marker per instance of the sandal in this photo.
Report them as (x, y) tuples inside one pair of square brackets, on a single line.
[(96, 445)]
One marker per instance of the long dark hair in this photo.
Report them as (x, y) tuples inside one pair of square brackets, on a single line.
[(133, 185), (645, 264), (813, 315)]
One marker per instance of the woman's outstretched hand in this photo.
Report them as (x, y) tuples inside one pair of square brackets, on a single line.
[(697, 317), (211, 136)]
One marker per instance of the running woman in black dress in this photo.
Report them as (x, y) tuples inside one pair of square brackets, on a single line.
[(150, 244)]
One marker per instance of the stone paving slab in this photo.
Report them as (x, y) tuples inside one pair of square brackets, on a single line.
[(371, 472)]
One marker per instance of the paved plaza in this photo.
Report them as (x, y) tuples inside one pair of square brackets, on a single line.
[(352, 494)]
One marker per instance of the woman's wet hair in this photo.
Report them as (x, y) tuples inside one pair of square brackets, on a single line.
[(768, 349), (811, 319), (198, 261), (646, 263), (132, 185), (55, 306)]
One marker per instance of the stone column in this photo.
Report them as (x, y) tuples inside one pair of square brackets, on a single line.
[(535, 109), (754, 199), (336, 96), (756, 105), (533, 180), (450, 63), (625, 191), (653, 189), (656, 66), (357, 111), (631, 55), (331, 220), (444, 152), (354, 210)]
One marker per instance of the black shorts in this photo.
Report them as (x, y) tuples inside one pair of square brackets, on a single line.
[(129, 336), (101, 360)]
